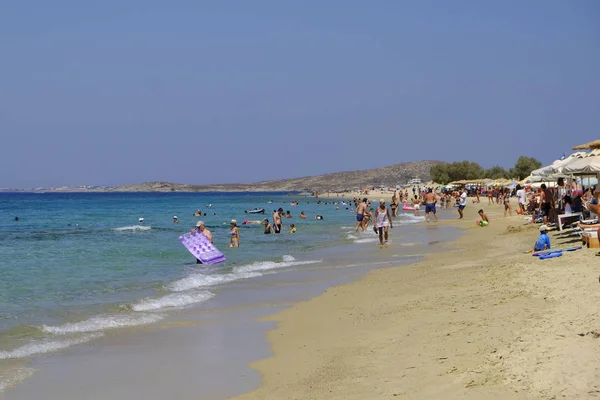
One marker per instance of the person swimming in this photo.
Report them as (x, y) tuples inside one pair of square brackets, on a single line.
[(292, 228), (302, 215), (267, 227), (175, 220)]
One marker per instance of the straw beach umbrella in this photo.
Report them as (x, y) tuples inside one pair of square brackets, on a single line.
[(595, 144)]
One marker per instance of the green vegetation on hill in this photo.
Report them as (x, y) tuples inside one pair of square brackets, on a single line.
[(449, 172)]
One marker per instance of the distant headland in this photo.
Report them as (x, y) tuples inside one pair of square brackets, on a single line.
[(338, 181)]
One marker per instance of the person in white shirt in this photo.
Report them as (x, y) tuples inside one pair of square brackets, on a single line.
[(462, 203), (522, 196)]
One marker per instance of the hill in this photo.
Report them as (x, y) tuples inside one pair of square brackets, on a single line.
[(388, 176)]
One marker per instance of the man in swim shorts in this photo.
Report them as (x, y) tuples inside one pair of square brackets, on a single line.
[(360, 215), (430, 201)]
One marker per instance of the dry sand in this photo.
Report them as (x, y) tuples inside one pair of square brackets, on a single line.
[(480, 321)]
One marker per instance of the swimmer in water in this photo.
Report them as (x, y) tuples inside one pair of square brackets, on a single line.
[(235, 234), (175, 220), (292, 228), (302, 215), (198, 213), (267, 227)]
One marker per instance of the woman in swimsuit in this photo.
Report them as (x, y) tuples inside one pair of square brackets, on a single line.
[(235, 234), (506, 200)]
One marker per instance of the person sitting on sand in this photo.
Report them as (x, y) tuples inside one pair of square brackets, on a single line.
[(484, 221), (543, 242), (302, 215), (292, 228)]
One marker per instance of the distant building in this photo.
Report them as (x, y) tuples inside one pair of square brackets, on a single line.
[(415, 182)]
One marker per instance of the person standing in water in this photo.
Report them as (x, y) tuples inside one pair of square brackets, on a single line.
[(430, 201), (276, 221), (235, 234), (360, 214), (383, 221), (267, 226), (202, 229)]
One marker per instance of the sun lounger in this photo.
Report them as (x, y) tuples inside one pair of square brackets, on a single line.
[(564, 218)]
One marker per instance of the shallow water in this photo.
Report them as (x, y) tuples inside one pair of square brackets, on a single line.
[(78, 267)]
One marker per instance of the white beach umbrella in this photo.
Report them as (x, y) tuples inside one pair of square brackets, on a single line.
[(590, 164), (558, 165)]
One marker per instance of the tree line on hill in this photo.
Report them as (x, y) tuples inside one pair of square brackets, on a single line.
[(445, 173)]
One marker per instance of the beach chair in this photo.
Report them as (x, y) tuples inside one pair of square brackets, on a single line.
[(564, 219)]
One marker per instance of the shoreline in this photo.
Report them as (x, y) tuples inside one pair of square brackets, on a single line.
[(479, 320)]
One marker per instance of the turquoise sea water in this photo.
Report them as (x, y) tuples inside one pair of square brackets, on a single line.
[(77, 265)]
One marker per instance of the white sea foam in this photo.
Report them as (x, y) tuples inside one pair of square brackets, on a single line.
[(242, 272), (288, 261), (410, 219), (13, 376), (172, 301), (201, 280), (133, 228), (367, 240), (101, 323), (45, 347)]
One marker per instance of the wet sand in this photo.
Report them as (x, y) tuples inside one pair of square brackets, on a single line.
[(481, 320)]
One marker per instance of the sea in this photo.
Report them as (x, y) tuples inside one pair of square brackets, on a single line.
[(79, 270)]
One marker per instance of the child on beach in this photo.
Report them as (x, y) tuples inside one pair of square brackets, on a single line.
[(484, 221), (416, 205), (543, 242)]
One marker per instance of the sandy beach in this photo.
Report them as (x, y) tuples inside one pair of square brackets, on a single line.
[(482, 320)]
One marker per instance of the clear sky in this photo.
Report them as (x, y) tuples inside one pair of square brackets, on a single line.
[(116, 92)]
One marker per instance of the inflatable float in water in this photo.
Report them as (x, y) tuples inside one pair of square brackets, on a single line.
[(201, 248), (405, 207)]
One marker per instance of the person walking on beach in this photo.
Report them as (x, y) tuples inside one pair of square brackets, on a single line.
[(430, 201), (462, 204), (276, 221), (383, 221), (360, 214)]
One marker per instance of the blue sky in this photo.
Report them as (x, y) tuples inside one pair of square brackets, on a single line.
[(119, 92)]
